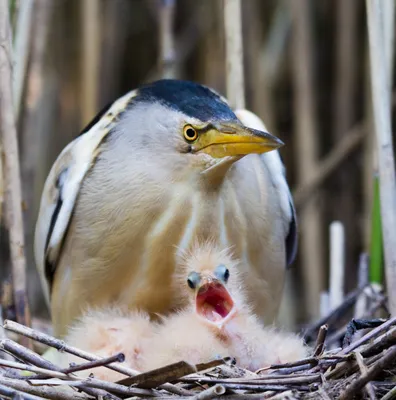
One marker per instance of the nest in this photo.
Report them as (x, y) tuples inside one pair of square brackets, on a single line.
[(363, 367)]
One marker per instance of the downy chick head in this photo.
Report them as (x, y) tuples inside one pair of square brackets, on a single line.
[(210, 278)]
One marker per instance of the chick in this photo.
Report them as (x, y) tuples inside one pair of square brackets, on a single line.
[(218, 321), (106, 332)]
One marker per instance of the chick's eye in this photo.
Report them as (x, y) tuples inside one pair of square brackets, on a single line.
[(226, 274), (190, 283), (190, 134), (222, 273)]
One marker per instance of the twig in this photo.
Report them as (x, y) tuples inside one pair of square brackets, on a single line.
[(380, 343), (363, 369), (120, 357), (98, 384), (244, 396), (304, 361), (33, 358), (337, 269), (343, 369), (208, 394), (371, 374), (12, 171), (363, 280), (168, 373), (38, 370), (383, 130), (159, 376), (234, 53), (265, 386), (43, 391), (62, 346), (9, 392), (391, 395), (76, 381), (283, 396), (319, 347), (370, 335), (267, 380), (212, 364), (22, 353)]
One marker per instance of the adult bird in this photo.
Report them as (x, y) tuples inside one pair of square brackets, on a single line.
[(165, 165)]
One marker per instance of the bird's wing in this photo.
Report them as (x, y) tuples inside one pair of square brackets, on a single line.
[(277, 171), (62, 188)]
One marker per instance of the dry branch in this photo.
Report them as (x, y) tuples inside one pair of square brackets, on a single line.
[(234, 53), (91, 41), (307, 152), (342, 188), (337, 264), (371, 374), (353, 372), (10, 156), (383, 131), (21, 51), (320, 340), (363, 369), (208, 394), (167, 64), (62, 346)]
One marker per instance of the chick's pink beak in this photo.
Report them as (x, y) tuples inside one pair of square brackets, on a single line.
[(213, 302)]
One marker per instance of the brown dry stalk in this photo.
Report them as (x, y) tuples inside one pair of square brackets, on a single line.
[(13, 195), (363, 369), (378, 368), (62, 346), (353, 372), (319, 347)]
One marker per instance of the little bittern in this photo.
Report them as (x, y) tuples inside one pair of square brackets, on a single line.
[(165, 165)]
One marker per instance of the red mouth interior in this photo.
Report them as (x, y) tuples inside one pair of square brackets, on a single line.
[(213, 302)]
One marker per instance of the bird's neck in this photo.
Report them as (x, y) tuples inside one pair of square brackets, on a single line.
[(214, 176)]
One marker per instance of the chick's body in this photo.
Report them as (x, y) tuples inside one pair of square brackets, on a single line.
[(107, 332), (188, 334), (183, 336)]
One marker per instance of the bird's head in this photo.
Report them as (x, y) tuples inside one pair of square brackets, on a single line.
[(213, 301), (192, 124), (212, 284)]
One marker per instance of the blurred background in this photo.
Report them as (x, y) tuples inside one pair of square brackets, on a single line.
[(306, 75)]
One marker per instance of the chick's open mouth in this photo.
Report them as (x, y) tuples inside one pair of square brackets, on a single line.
[(213, 302)]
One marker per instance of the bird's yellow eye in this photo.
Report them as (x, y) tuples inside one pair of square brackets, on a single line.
[(190, 134)]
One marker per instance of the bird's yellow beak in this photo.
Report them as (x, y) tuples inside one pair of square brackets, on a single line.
[(233, 139)]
